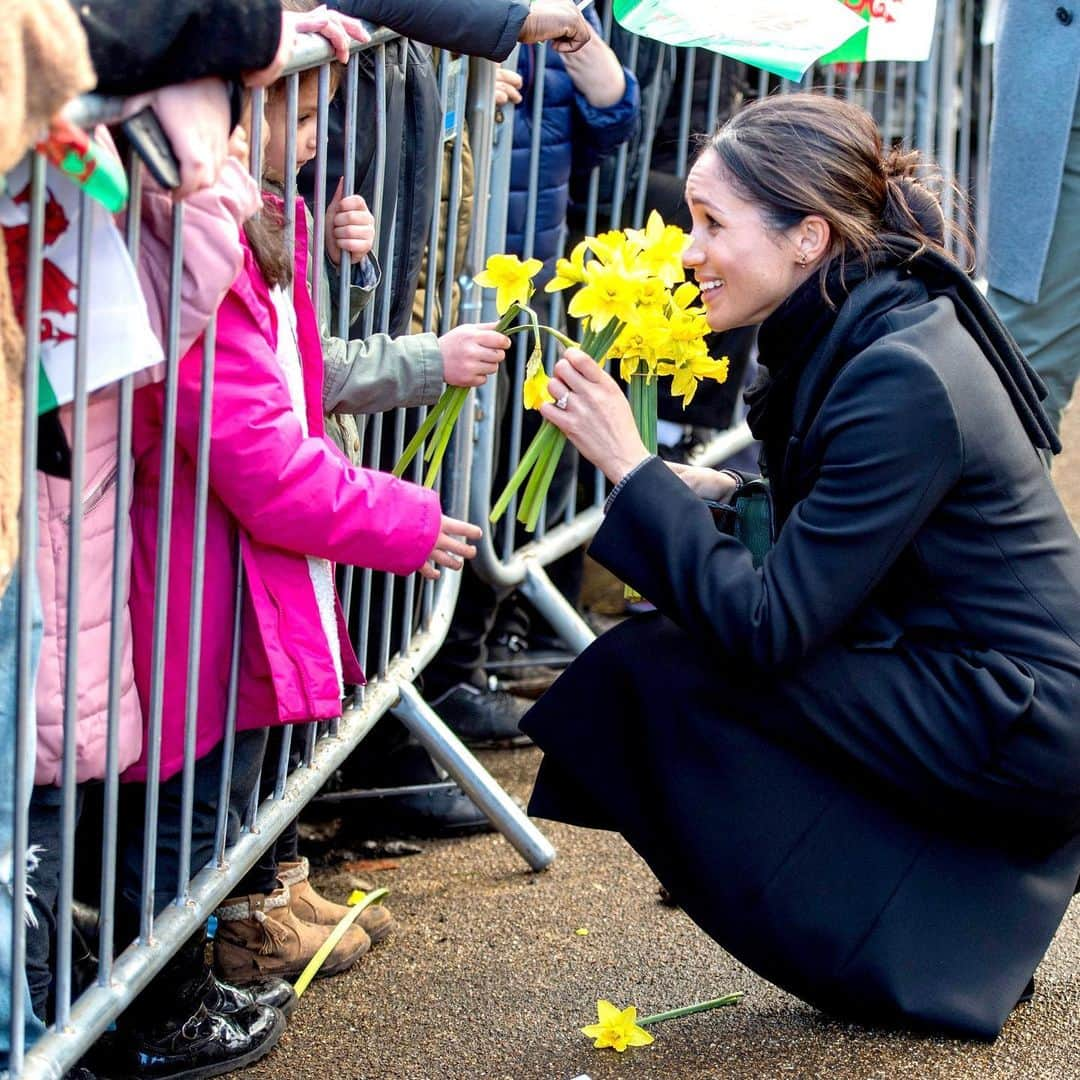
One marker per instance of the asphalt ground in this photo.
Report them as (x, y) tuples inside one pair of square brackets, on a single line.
[(494, 969)]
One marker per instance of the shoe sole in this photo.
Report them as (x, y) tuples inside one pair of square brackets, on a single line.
[(233, 1064)]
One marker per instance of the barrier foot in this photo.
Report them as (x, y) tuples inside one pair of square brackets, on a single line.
[(542, 593), (448, 750)]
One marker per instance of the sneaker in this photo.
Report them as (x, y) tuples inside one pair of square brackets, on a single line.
[(482, 717), (259, 937), (310, 907)]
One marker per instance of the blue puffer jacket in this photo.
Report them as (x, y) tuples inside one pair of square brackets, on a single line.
[(576, 136)]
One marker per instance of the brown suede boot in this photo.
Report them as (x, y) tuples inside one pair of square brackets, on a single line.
[(258, 936), (308, 906)]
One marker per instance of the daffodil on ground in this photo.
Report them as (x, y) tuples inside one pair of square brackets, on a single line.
[(512, 278), (635, 307), (619, 1028)]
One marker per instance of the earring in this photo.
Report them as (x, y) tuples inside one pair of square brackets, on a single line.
[(802, 259)]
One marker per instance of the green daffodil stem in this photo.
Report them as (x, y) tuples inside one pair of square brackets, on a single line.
[(425, 429), (557, 334), (529, 514), (528, 459), (702, 1006), (444, 415)]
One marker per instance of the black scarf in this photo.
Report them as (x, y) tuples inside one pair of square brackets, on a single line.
[(791, 336)]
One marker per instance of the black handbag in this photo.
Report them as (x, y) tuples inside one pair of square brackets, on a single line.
[(748, 516)]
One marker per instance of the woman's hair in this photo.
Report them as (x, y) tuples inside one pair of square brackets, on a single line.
[(801, 154)]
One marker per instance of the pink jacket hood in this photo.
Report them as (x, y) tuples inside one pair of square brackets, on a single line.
[(276, 496)]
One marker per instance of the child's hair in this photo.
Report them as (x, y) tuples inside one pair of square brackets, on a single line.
[(265, 234)]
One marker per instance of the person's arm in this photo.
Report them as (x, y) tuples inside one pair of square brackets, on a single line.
[(485, 28), (892, 449), (380, 373), (596, 73), (607, 102), (139, 45), (294, 492)]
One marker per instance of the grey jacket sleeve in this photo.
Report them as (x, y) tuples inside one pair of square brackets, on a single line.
[(487, 28), (381, 373), (376, 373)]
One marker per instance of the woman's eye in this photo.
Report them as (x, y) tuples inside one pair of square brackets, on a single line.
[(712, 224)]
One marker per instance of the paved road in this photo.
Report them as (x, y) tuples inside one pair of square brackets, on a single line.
[(489, 980)]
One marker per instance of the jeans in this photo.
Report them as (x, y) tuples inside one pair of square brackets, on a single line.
[(9, 607)]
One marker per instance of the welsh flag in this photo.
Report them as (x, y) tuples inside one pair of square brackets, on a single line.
[(120, 340), (892, 30), (787, 36)]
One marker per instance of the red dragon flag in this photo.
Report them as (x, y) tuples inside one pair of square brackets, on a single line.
[(120, 340)]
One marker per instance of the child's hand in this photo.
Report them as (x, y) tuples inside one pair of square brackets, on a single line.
[(350, 226), (471, 353), (449, 551), (507, 87)]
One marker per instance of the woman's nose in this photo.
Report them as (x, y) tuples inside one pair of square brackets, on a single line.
[(694, 255)]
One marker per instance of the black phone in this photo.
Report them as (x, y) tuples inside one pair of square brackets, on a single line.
[(148, 139)]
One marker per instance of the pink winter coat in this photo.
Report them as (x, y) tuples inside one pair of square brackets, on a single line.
[(278, 496), (213, 258)]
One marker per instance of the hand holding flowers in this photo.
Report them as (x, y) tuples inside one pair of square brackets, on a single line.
[(597, 418)]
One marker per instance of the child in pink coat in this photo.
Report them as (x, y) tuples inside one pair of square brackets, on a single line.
[(284, 504)]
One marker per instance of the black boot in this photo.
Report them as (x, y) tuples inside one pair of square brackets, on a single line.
[(186, 1026), (223, 997)]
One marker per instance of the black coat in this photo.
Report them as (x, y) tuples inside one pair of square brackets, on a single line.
[(141, 46), (858, 767)]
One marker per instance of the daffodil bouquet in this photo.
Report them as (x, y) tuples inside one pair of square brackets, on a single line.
[(636, 307)]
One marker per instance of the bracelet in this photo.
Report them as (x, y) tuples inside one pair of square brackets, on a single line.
[(737, 477)]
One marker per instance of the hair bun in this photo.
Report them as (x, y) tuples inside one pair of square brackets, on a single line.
[(908, 201), (899, 163)]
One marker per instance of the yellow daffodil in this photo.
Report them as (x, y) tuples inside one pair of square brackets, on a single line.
[(511, 277), (616, 1028), (608, 293), (569, 271), (662, 248), (611, 247), (688, 370), (652, 292), (534, 392)]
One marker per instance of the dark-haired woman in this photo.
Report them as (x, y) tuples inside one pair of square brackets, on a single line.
[(857, 767)]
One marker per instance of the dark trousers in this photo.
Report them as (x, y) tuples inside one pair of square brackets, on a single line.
[(262, 877), (45, 833), (248, 756)]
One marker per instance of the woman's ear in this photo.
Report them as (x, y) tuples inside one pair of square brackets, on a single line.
[(813, 238)]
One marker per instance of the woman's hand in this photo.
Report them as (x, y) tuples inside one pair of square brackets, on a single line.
[(594, 415), (705, 482), (449, 551)]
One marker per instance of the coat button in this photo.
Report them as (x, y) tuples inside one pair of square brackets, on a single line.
[(1064, 16), (356, 446)]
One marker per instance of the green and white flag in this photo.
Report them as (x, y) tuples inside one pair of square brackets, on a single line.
[(787, 36), (892, 30), (120, 340)]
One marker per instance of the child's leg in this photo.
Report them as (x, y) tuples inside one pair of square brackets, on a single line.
[(46, 809)]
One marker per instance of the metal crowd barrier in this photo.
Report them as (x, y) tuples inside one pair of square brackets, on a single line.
[(940, 106), (394, 655)]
